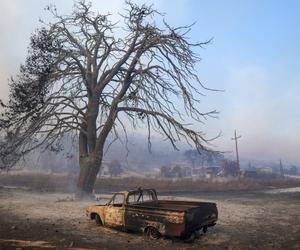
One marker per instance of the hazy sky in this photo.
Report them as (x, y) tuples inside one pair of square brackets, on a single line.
[(254, 57)]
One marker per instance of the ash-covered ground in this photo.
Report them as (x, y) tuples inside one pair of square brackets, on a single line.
[(268, 219)]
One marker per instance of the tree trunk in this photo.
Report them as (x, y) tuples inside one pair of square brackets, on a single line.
[(89, 168), (91, 151)]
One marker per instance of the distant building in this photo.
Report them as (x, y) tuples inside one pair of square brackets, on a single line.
[(293, 170), (264, 170), (250, 174), (186, 171), (229, 169), (260, 173), (212, 171)]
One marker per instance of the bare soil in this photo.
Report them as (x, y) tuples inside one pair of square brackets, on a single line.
[(247, 220)]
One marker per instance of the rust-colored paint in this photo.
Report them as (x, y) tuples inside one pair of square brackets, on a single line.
[(172, 218), (114, 216)]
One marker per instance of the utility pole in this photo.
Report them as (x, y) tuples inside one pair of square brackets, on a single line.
[(281, 168), (236, 148)]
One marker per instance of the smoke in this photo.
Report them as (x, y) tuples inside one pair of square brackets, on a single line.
[(261, 106)]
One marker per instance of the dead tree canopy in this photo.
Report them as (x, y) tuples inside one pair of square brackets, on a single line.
[(87, 75)]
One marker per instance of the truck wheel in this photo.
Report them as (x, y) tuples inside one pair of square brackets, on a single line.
[(190, 238), (152, 233), (197, 234), (98, 220)]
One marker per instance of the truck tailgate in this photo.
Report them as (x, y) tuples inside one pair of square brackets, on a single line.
[(205, 214)]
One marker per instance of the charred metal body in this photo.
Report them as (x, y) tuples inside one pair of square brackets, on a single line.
[(141, 211)]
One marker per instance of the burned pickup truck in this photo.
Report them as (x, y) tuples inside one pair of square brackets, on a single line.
[(140, 211)]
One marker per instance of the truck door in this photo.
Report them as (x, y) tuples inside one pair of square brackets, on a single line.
[(114, 211)]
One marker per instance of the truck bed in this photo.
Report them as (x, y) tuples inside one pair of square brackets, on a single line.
[(178, 206), (180, 217)]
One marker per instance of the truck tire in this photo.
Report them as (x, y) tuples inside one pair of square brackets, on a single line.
[(98, 220), (190, 238), (197, 234), (153, 233)]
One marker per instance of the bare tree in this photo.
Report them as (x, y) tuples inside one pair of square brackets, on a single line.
[(87, 75), (165, 171), (115, 168), (230, 168)]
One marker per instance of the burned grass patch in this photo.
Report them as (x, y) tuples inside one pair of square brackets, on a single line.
[(67, 183)]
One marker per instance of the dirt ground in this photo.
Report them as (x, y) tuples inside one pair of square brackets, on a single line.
[(247, 220)]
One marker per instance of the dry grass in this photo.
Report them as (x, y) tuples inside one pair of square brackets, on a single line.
[(67, 183), (189, 185), (40, 182)]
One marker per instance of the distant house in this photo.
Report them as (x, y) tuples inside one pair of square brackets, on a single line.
[(264, 170), (187, 171), (198, 171), (229, 169), (293, 170), (212, 171), (175, 170), (260, 173), (250, 174)]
